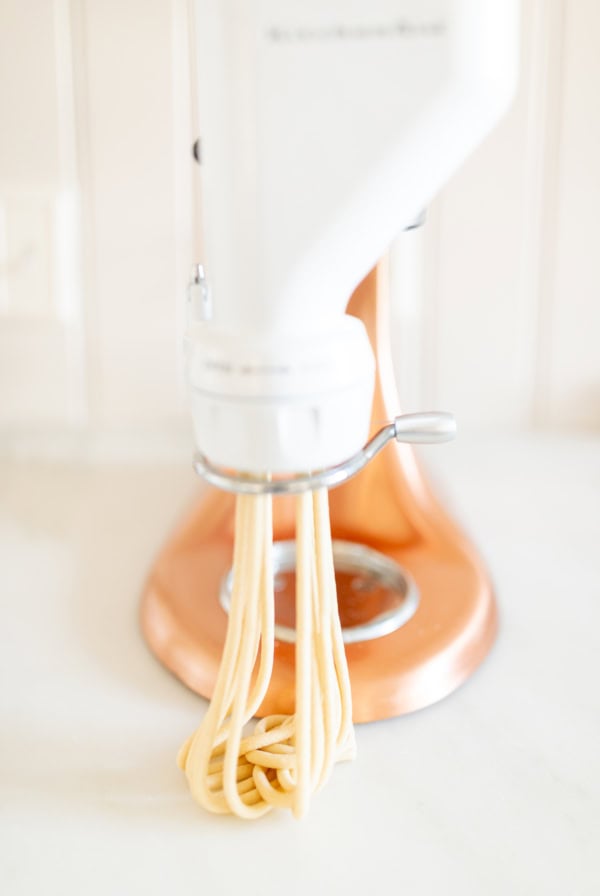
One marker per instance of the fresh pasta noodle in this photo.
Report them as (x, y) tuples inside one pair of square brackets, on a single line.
[(286, 758)]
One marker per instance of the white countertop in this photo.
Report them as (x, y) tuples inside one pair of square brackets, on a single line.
[(496, 790)]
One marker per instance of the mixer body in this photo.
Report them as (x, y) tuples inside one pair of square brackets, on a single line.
[(325, 128)]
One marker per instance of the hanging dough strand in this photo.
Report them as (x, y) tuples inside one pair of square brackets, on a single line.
[(286, 758)]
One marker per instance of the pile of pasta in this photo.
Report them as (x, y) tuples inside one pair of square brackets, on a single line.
[(285, 759)]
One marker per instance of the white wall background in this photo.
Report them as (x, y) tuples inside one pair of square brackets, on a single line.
[(496, 300)]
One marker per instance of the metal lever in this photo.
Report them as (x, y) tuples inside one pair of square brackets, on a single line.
[(425, 428)]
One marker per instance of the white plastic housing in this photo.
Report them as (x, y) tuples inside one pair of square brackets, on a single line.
[(257, 409), (326, 127)]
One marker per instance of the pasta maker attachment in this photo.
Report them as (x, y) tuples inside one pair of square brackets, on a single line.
[(326, 127)]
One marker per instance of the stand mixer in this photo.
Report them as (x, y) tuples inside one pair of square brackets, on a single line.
[(326, 128)]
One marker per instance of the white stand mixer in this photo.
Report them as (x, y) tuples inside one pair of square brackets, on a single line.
[(326, 128)]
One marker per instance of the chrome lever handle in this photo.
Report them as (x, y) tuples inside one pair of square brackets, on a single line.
[(423, 428)]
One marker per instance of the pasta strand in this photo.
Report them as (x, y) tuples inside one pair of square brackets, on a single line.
[(286, 758)]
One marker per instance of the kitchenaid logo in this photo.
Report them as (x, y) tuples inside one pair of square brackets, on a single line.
[(403, 28)]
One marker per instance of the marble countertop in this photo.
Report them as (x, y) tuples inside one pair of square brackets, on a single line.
[(495, 790)]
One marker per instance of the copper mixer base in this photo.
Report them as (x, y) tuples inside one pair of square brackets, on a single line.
[(388, 507)]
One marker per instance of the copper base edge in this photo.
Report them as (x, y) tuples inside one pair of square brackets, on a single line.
[(387, 691)]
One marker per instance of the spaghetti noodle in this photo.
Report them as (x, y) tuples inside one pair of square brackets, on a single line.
[(286, 758)]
